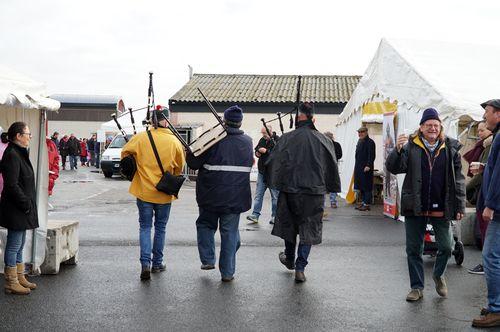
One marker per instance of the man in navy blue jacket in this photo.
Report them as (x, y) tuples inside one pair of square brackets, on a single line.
[(489, 202), (223, 193)]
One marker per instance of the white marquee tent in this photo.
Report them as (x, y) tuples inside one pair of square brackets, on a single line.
[(22, 99), (415, 75)]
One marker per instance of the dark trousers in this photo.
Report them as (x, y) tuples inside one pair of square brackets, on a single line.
[(73, 161), (303, 251), (415, 232), (63, 160), (366, 197)]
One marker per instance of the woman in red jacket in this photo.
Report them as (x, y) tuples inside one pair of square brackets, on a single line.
[(53, 163), (83, 153)]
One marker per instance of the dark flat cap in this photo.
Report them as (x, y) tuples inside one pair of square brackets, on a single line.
[(493, 102), (306, 108)]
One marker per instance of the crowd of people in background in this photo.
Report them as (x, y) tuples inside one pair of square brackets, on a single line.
[(299, 168), (85, 151)]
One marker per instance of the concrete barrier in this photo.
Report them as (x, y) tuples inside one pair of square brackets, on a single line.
[(62, 245)]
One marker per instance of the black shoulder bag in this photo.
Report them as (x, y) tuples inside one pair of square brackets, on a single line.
[(169, 184)]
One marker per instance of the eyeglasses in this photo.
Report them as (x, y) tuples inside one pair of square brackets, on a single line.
[(432, 126), (29, 134)]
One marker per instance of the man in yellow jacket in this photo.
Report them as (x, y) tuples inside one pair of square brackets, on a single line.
[(149, 200)]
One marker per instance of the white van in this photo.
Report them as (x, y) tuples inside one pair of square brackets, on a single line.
[(110, 159)]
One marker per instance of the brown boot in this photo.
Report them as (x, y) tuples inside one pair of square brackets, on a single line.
[(414, 295), (12, 285), (300, 276), (441, 287), (491, 319), (22, 278)]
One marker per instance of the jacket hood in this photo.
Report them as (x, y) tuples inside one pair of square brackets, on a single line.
[(306, 123)]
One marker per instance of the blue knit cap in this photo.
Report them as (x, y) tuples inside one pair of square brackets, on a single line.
[(430, 114), (234, 114)]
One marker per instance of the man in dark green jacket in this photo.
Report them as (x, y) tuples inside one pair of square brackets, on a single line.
[(433, 193)]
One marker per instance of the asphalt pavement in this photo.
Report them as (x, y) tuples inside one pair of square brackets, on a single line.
[(357, 278)]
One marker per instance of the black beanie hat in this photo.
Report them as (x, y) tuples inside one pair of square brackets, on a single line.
[(430, 114)]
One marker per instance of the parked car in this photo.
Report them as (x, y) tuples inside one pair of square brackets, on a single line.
[(110, 160)]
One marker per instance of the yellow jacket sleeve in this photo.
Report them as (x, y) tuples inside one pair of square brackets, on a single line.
[(180, 160), (130, 148)]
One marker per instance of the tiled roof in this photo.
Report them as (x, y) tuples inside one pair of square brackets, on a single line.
[(267, 88)]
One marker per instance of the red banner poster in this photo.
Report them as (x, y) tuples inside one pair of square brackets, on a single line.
[(390, 180)]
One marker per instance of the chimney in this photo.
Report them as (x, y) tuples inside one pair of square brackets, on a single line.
[(190, 71)]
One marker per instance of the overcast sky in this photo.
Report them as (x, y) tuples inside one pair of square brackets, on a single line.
[(108, 47)]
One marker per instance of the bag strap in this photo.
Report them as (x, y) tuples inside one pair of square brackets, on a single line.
[(155, 151)]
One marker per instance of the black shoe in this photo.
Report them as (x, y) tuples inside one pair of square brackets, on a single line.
[(364, 208), (478, 269), (207, 267), (284, 260), (159, 268), (145, 273), (227, 279)]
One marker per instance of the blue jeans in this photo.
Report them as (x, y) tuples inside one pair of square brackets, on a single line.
[(206, 226), (333, 198), (259, 197), (97, 160), (415, 232), (161, 214), (14, 247), (303, 251), (73, 162), (491, 261)]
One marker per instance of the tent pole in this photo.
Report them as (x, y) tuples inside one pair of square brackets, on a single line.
[(41, 138)]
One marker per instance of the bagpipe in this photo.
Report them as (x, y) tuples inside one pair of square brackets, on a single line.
[(169, 183), (281, 116), (211, 136)]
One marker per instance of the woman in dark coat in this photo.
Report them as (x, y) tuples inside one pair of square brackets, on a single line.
[(64, 150), (18, 211)]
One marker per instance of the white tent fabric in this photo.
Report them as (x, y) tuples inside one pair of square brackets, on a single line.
[(17, 90), (22, 99), (453, 78), (126, 122)]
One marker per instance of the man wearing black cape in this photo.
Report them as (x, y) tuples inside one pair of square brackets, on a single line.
[(303, 167)]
